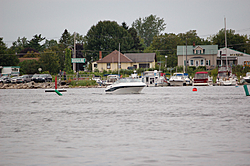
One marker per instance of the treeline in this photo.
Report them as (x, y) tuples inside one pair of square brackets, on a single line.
[(144, 35)]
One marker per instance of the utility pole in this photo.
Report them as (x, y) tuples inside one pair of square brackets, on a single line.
[(186, 56), (74, 54)]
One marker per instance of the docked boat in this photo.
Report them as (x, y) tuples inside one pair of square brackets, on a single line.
[(154, 78), (177, 80), (187, 79), (225, 77), (247, 78), (202, 79), (125, 86)]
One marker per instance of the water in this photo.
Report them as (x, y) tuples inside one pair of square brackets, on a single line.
[(160, 126)]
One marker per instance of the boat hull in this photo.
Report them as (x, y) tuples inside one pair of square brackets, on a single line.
[(125, 89), (177, 83)]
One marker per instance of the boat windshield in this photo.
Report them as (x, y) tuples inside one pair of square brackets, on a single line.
[(222, 74), (126, 80), (201, 76)]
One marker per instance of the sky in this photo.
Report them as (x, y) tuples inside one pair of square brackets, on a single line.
[(26, 18)]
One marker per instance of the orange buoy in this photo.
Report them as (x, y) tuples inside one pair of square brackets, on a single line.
[(194, 89)]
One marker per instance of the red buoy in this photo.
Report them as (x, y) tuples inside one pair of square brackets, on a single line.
[(194, 89)]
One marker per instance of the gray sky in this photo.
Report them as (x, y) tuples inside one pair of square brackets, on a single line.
[(25, 18)]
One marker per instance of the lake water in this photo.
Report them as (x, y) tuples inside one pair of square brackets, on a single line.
[(161, 126)]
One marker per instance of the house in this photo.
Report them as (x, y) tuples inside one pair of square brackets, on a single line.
[(127, 61), (201, 55), (232, 57)]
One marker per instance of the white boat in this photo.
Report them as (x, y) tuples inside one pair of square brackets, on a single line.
[(154, 78), (202, 79), (226, 78), (177, 80), (125, 86), (247, 78), (187, 79)]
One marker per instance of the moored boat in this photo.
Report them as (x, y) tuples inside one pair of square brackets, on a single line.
[(177, 80), (202, 79)]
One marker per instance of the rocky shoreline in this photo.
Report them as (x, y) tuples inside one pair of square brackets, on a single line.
[(44, 85)]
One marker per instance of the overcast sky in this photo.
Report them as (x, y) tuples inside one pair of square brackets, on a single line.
[(25, 18)]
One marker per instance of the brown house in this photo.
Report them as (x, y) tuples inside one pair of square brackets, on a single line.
[(127, 61)]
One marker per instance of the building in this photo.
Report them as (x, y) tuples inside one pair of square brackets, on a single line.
[(201, 55), (232, 57), (127, 61), (10, 70)]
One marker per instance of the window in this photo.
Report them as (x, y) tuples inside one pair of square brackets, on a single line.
[(196, 63), (95, 65), (208, 62), (108, 65), (202, 62), (191, 62), (198, 51), (203, 51)]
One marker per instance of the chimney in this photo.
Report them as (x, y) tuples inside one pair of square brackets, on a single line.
[(193, 44), (100, 55)]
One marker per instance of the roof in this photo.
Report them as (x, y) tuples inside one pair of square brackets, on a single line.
[(201, 72), (113, 57), (126, 58), (142, 57), (209, 49)]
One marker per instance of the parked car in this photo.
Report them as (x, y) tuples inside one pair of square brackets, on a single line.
[(13, 80), (42, 78), (5, 79), (24, 79)]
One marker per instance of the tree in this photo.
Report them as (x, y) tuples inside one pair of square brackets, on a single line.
[(49, 61), (234, 41), (68, 67), (29, 66), (106, 36), (7, 59), (35, 42), (66, 40), (149, 27), (19, 45)]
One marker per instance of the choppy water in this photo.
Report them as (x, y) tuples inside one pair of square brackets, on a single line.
[(160, 126)]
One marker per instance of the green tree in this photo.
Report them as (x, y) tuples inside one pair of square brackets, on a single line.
[(149, 27), (19, 45), (66, 40), (68, 67), (35, 42), (6, 58), (49, 61), (29, 66), (106, 36), (234, 41)]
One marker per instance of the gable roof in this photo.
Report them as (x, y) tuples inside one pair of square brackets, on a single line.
[(113, 57), (209, 49), (142, 57)]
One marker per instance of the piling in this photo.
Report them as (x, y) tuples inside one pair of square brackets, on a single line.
[(246, 90)]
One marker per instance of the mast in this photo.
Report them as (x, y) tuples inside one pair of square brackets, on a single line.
[(226, 41)]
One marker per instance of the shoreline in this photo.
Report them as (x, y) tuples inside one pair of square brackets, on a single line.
[(44, 85)]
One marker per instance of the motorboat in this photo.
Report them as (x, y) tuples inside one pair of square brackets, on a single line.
[(202, 79), (247, 78), (125, 86), (226, 78), (187, 79), (154, 78), (177, 80)]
